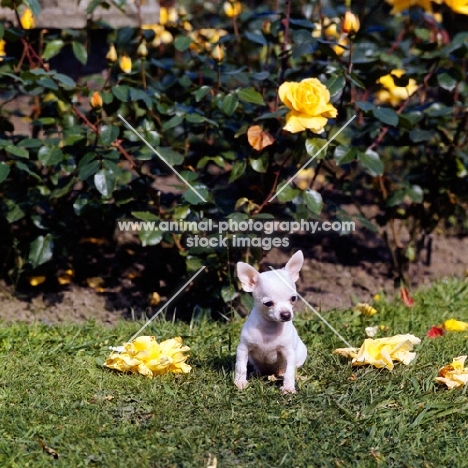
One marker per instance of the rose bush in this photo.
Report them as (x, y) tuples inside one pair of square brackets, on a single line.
[(213, 90)]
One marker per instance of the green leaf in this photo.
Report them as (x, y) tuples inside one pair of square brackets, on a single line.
[(182, 43), (314, 145), (49, 156), (145, 215), (344, 154), (104, 180), (251, 95), (173, 122), (313, 201), (287, 193), (170, 156), (365, 106), (121, 92), (446, 81), (335, 84), (17, 151), (416, 194), (396, 197), (4, 171), (260, 164), (80, 52), (52, 48), (386, 115), (200, 93), (109, 134), (371, 161), (150, 237), (238, 170), (229, 104), (193, 198), (417, 136), (40, 250), (65, 80)]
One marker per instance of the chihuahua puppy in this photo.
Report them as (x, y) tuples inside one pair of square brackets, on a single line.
[(269, 340)]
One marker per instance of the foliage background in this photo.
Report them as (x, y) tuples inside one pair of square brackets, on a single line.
[(193, 94)]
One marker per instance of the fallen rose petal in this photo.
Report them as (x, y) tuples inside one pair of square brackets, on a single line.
[(372, 331), (435, 331), (405, 297), (455, 325), (454, 375), (382, 352)]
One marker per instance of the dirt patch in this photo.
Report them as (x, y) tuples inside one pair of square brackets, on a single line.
[(338, 271)]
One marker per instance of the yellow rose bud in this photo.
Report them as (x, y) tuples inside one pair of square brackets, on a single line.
[(112, 54), (218, 53), (232, 9), (27, 19), (142, 50), (310, 105), (350, 23), (125, 64), (96, 100)]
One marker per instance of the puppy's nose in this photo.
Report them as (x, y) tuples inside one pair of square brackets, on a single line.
[(285, 315)]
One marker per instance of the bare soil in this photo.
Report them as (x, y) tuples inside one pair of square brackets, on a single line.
[(338, 271)]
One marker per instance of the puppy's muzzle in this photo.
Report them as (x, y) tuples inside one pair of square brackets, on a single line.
[(285, 316)]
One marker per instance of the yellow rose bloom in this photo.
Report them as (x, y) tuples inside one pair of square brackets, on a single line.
[(458, 6), (125, 64), (381, 352), (402, 5), (144, 355), (310, 105), (232, 9), (392, 93), (27, 19)]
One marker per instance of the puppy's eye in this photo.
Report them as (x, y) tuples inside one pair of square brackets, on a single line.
[(268, 304), (293, 299)]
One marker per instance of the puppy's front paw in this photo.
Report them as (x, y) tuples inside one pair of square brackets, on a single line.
[(241, 384), (285, 389)]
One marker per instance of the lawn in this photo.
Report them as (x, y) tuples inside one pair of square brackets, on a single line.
[(60, 407)]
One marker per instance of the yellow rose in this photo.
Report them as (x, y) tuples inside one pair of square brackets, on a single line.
[(392, 93), (309, 104), (458, 6), (402, 5)]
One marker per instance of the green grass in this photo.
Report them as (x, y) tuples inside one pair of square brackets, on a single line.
[(54, 389)]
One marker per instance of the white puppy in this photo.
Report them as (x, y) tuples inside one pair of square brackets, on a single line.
[(269, 340)]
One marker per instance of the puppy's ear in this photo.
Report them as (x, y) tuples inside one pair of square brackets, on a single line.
[(294, 265), (248, 276)]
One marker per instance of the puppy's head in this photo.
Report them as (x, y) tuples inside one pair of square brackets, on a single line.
[(274, 291)]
